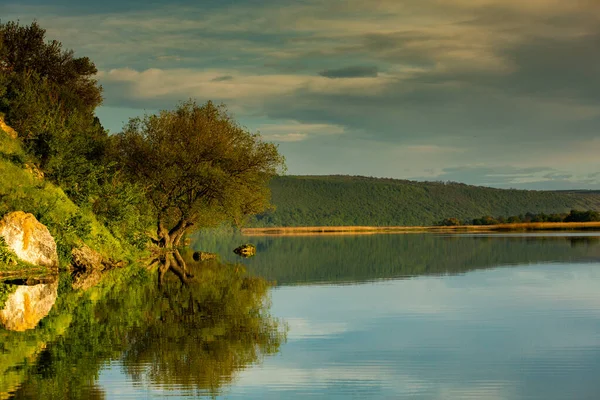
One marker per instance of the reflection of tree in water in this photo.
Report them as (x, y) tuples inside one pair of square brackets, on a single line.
[(198, 335), (583, 241), (194, 337)]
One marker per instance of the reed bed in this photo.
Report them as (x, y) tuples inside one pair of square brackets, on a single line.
[(359, 230)]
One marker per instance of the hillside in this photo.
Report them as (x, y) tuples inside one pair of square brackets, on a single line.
[(353, 200), (23, 188)]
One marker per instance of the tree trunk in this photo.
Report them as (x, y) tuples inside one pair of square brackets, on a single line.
[(168, 241)]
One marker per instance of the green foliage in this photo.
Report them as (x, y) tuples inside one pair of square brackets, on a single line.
[(486, 220), (193, 165), (573, 216), (351, 200), (7, 257), (67, 142), (198, 166), (122, 207), (582, 216), (450, 222), (24, 49), (49, 97), (20, 190)]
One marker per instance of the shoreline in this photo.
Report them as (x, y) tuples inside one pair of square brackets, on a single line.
[(370, 230)]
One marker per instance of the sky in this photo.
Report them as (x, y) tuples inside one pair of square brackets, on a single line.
[(502, 93)]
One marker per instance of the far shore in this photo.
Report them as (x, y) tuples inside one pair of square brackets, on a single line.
[(366, 230)]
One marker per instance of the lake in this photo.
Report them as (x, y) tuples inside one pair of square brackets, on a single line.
[(417, 316)]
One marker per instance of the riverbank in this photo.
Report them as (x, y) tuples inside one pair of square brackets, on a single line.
[(362, 230)]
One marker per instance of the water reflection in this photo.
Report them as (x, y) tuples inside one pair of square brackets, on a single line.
[(195, 337), (523, 323), (360, 258), (527, 332), (26, 305)]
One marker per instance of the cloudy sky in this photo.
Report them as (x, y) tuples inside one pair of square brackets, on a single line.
[(501, 93)]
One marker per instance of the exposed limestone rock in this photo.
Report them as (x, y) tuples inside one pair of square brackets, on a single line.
[(29, 239), (245, 250), (10, 131), (203, 256), (87, 259), (28, 305)]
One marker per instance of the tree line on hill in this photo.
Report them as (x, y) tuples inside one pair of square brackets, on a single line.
[(352, 200), (572, 216)]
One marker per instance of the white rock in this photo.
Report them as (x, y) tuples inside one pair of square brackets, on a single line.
[(29, 239)]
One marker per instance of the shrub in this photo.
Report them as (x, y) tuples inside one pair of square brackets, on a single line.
[(450, 222), (6, 255)]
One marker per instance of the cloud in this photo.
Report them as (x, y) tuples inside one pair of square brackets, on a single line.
[(294, 132), (536, 178), (223, 78), (505, 81), (249, 92), (350, 72), (301, 328)]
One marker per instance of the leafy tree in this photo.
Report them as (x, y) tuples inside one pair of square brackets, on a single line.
[(49, 97), (450, 222), (198, 167), (582, 216), (515, 219), (24, 50)]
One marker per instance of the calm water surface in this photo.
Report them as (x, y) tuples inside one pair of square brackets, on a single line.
[(376, 316)]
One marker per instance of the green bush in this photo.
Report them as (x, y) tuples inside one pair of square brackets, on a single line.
[(7, 257)]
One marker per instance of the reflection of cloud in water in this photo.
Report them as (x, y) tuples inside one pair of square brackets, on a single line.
[(301, 328), (294, 378), (493, 334), (375, 378)]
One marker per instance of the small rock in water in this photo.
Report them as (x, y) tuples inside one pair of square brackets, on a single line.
[(203, 256), (245, 250)]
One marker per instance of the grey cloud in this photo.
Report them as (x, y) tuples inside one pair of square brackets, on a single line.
[(537, 178), (223, 78), (492, 112), (594, 175), (488, 176), (351, 72), (557, 176)]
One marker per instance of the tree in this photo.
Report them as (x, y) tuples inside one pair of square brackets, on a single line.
[(24, 50), (48, 96), (198, 168), (450, 222)]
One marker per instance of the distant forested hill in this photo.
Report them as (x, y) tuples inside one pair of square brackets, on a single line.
[(354, 200)]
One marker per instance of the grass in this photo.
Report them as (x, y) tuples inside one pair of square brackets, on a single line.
[(22, 190), (339, 230)]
